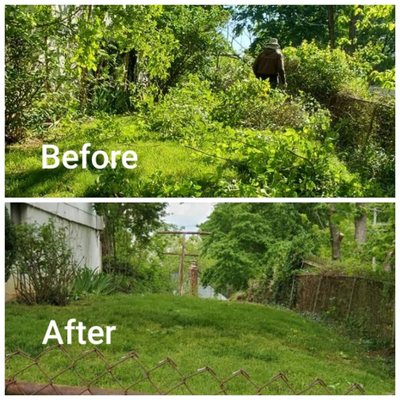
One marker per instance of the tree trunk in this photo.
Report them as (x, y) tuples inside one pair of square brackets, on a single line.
[(360, 224), (106, 240), (130, 64), (331, 25), (83, 90), (354, 18), (336, 235)]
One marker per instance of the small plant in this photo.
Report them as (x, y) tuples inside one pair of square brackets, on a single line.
[(45, 267), (111, 183), (89, 281)]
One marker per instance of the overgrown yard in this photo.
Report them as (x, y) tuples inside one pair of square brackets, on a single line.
[(194, 333), (163, 167), (201, 118), (201, 165)]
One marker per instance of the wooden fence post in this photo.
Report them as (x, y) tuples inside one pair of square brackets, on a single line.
[(292, 292), (317, 294), (351, 298)]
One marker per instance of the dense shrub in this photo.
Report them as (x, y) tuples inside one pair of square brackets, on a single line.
[(318, 72), (136, 274), (228, 69), (366, 139), (287, 163), (250, 103), (184, 110), (45, 268), (118, 266), (284, 261)]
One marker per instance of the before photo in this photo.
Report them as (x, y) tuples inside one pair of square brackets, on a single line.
[(200, 101)]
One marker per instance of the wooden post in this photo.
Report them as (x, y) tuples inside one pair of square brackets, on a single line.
[(351, 298), (394, 327), (181, 266), (317, 294), (292, 291), (182, 254), (194, 279)]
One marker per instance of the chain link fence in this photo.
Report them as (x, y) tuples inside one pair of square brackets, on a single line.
[(90, 373)]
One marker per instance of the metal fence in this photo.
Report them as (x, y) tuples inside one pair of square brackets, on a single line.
[(366, 119), (90, 373)]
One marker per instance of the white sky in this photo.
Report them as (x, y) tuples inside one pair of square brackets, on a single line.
[(188, 215)]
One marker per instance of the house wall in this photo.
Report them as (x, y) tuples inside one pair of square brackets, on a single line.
[(82, 224)]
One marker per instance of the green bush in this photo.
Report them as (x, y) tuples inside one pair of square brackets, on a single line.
[(365, 130), (118, 266), (249, 103), (184, 111), (318, 72), (228, 70), (45, 268), (111, 183), (279, 164)]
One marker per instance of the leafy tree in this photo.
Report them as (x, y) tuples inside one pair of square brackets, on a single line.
[(262, 245), (127, 227), (247, 239), (348, 26), (291, 24), (62, 59), (198, 41), (356, 234), (31, 58)]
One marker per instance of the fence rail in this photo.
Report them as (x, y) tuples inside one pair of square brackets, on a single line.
[(365, 303), (106, 378)]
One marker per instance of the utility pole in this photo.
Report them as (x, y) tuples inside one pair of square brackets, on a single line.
[(183, 253)]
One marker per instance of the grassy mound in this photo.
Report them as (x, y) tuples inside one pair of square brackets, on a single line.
[(196, 333)]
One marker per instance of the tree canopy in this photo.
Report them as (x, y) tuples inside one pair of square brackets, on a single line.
[(269, 241)]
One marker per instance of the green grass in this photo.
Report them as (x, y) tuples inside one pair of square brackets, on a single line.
[(194, 333), (169, 160)]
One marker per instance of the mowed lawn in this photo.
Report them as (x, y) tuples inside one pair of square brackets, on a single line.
[(159, 162), (195, 333)]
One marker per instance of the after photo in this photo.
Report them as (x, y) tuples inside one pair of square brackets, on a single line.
[(200, 298)]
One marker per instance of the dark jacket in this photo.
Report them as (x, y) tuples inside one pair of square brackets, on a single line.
[(270, 62)]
